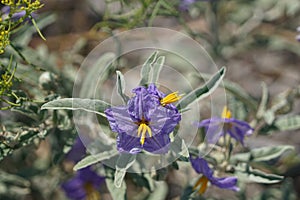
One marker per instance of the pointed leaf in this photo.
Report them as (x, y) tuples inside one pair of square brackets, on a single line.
[(146, 68), (203, 91), (157, 66), (160, 192), (121, 87), (89, 105), (116, 193), (93, 159), (248, 174), (123, 163)]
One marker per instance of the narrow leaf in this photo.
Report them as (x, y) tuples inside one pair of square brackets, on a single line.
[(263, 103), (269, 153), (93, 159), (146, 68), (116, 193), (123, 163), (160, 192), (203, 91), (157, 66), (248, 174), (89, 105), (121, 87)]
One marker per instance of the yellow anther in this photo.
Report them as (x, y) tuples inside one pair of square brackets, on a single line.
[(142, 130), (226, 113), (202, 182), (170, 98)]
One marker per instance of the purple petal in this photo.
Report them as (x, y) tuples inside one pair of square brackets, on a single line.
[(201, 167), (77, 151), (228, 183), (141, 105), (87, 175), (128, 143), (239, 129), (120, 121), (163, 120), (74, 189), (158, 144)]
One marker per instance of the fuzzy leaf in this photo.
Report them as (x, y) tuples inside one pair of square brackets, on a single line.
[(248, 174), (117, 193), (203, 91), (157, 66), (89, 105), (121, 87), (123, 163), (269, 153), (146, 69), (93, 159)]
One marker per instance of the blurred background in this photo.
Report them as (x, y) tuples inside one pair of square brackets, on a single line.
[(256, 40)]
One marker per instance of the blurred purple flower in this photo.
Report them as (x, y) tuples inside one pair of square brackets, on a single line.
[(184, 4), (145, 122), (16, 16), (201, 167), (77, 151), (298, 36), (84, 185), (218, 126)]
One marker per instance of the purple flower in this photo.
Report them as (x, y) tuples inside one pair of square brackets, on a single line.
[(201, 167), (145, 122), (218, 126), (77, 151), (84, 185)]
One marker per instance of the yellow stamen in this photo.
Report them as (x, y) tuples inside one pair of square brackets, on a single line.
[(202, 182), (142, 130), (170, 98), (226, 113), (91, 192)]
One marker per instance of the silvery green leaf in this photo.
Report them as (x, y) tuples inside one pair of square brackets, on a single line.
[(202, 91), (269, 153), (248, 174), (117, 193), (160, 192), (123, 163), (121, 87), (157, 66), (97, 73), (146, 68), (288, 122), (263, 102), (93, 159), (89, 105)]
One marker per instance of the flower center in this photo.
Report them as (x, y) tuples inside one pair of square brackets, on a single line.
[(91, 192), (202, 182), (170, 98), (142, 130), (226, 113)]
